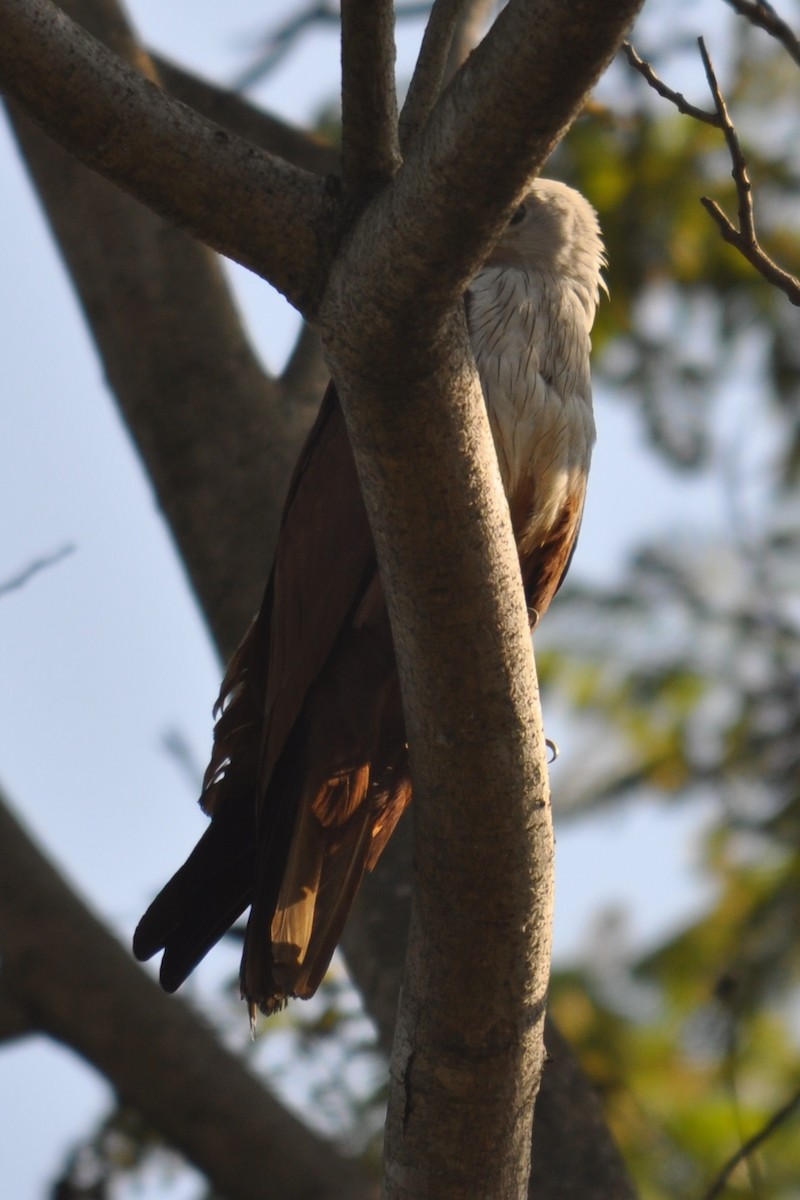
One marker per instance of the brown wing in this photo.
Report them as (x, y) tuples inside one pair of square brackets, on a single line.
[(308, 769), (353, 781)]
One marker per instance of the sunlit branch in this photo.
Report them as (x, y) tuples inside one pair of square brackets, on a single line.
[(370, 150)]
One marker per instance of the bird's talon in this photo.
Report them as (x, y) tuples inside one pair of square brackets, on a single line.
[(554, 750), (533, 617)]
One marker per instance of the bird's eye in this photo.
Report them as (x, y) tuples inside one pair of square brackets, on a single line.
[(518, 216)]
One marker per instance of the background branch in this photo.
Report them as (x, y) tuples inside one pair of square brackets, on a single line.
[(15, 582), (743, 238), (431, 67), (761, 14), (749, 1147), (654, 81), (83, 989), (247, 204), (219, 470), (470, 28), (298, 146)]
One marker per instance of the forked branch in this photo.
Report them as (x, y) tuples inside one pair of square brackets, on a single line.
[(742, 237)]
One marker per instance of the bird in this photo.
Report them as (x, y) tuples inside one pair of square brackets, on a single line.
[(309, 771)]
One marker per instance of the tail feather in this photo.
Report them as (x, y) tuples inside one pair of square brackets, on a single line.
[(201, 901), (308, 773)]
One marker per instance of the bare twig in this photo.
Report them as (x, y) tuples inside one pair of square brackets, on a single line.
[(370, 148), (280, 41), (33, 568), (744, 188), (429, 72), (761, 14), (82, 988), (743, 238), (657, 84), (752, 1144), (277, 43)]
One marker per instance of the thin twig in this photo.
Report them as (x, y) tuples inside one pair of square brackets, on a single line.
[(429, 72), (279, 42), (744, 188), (752, 1143), (33, 568), (657, 84), (744, 237), (761, 14)]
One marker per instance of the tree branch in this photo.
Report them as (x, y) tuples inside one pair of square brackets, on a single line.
[(33, 568), (247, 204), (751, 1145), (475, 15), (654, 81), (448, 406), (83, 989), (237, 115), (219, 470), (429, 233), (430, 70), (370, 149), (761, 14), (743, 238), (468, 1049)]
